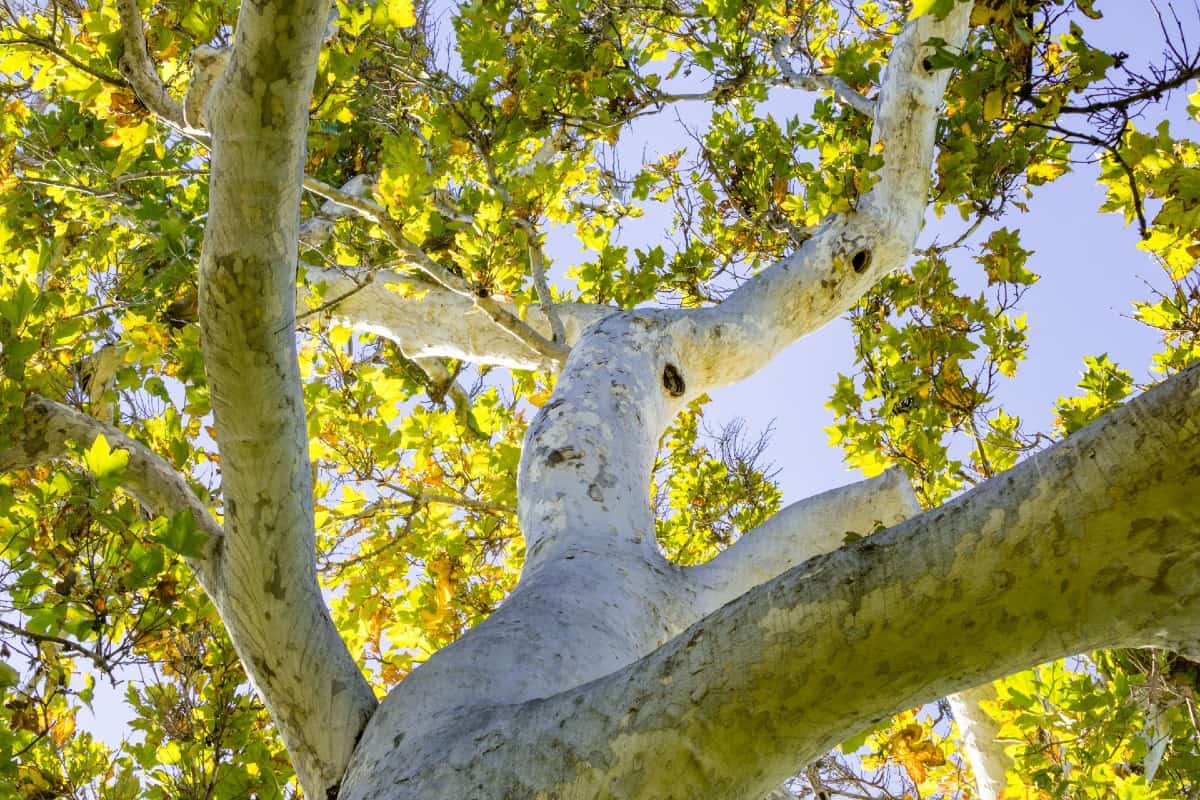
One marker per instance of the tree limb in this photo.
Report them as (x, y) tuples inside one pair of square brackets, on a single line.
[(429, 321), (782, 48), (978, 731), (92, 654), (137, 66), (849, 252), (273, 609), (805, 529), (550, 354), (52, 429)]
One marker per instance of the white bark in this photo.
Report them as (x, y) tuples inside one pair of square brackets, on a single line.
[(588, 682), (803, 530), (1104, 522), (595, 594), (268, 594), (429, 321), (978, 731)]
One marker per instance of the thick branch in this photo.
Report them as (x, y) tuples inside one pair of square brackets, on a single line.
[(979, 731), (851, 251), (549, 354), (583, 483), (429, 321), (137, 66), (1105, 522), (273, 609), (805, 529), (51, 429)]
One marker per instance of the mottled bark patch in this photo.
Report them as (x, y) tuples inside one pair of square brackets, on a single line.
[(563, 454)]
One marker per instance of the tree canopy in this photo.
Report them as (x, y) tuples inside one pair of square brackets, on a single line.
[(448, 149)]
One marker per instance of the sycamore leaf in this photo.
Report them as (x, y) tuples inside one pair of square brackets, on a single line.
[(8, 675), (102, 461), (923, 7), (395, 14), (180, 534)]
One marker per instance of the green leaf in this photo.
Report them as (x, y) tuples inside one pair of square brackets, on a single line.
[(8, 676), (180, 535), (145, 562), (395, 14)]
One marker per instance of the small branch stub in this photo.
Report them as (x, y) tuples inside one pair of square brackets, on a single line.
[(673, 381)]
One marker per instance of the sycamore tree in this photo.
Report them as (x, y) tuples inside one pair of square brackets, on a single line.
[(308, 442)]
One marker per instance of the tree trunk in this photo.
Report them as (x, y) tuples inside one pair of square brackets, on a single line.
[(1095, 542)]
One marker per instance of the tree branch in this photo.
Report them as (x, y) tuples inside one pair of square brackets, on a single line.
[(429, 321), (805, 529), (849, 252), (550, 354), (978, 731), (274, 611), (50, 431), (782, 48), (137, 66), (95, 656)]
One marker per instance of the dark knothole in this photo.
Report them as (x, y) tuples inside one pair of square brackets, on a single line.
[(673, 381), (861, 260), (927, 64)]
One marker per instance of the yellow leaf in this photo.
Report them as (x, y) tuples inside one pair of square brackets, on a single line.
[(62, 729), (102, 460), (395, 14), (539, 399), (991, 12)]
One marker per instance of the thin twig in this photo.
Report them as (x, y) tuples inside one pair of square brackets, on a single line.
[(95, 656)]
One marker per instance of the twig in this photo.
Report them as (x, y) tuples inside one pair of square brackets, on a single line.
[(537, 268), (95, 656), (1115, 152), (421, 497), (441, 383), (328, 304)]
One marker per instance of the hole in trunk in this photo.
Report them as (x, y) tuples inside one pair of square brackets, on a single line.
[(861, 260), (673, 381)]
